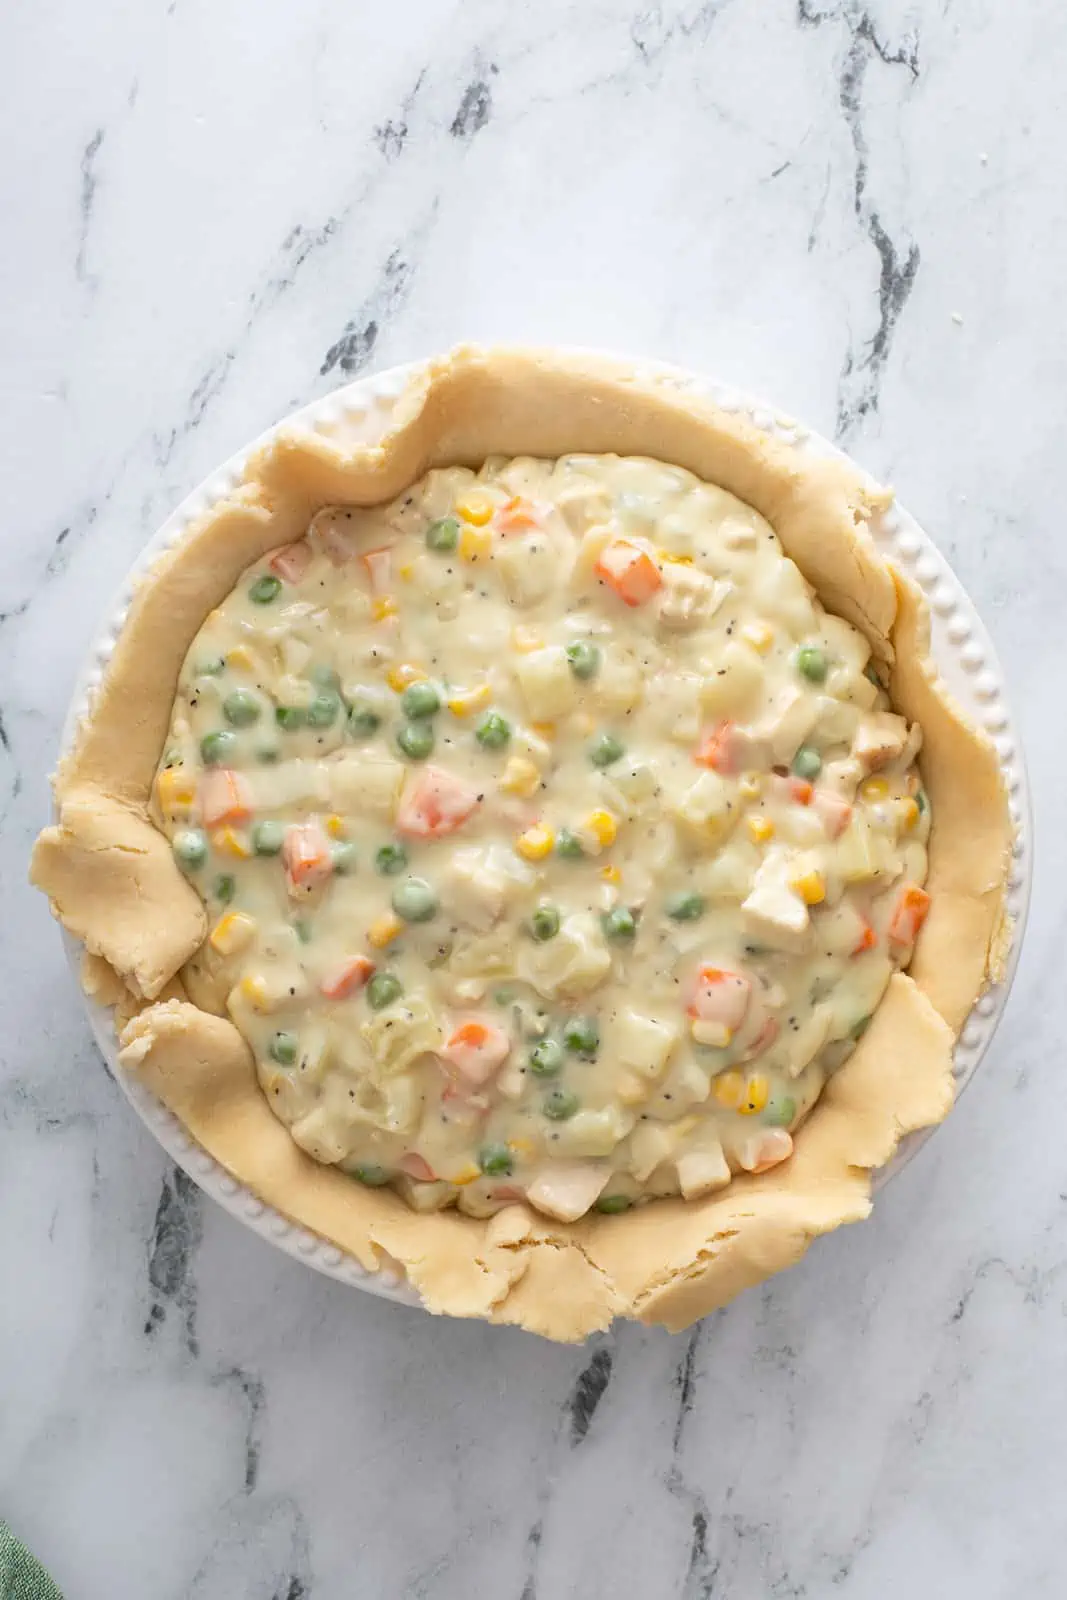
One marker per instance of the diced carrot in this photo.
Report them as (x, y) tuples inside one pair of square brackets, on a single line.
[(720, 749), (834, 812), (306, 856), (379, 567), (518, 516), (476, 1050), (866, 940), (224, 797), (347, 978), (413, 1166), (435, 803), (763, 1040), (719, 996), (629, 570), (291, 561), (909, 914), (801, 791)]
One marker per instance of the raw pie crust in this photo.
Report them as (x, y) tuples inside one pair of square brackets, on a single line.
[(113, 882)]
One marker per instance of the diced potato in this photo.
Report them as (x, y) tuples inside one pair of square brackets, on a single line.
[(652, 1143), (321, 1135), (547, 683), (701, 1171), (571, 964), (733, 681), (529, 567), (630, 786), (788, 723), (686, 1084), (593, 1133), (566, 1190), (363, 784), (706, 806), (690, 598), (676, 696), (641, 1043), (880, 738), (730, 874), (841, 777), (772, 911), (803, 1045), (835, 720), (861, 853), (584, 505), (480, 883), (619, 685)]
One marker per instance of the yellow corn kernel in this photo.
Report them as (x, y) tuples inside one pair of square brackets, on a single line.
[(728, 1089), (406, 571), (176, 789), (255, 991), (535, 843), (757, 1090), (677, 561), (750, 785), (474, 543), (336, 826), (909, 814), (475, 506), (520, 777), (603, 827), (464, 701), (228, 842), (523, 1148), (811, 887), (465, 1175), (240, 657), (232, 933), (384, 606), (402, 674), (526, 639), (611, 874), (874, 789), (760, 829), (759, 635), (383, 930), (544, 730)]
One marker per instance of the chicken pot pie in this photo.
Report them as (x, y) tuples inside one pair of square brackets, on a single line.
[(538, 847)]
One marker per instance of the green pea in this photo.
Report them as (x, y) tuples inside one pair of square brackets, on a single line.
[(686, 906), (560, 1104), (415, 740), (494, 731), (606, 749), (414, 900), (812, 663), (217, 748), (323, 709), (859, 1028), (265, 589), (383, 989), (190, 848), (362, 721), (241, 708), (544, 924), (568, 845), (373, 1177), (619, 923), (495, 1160), (612, 1204), (211, 668), (224, 888), (391, 859), (442, 535), (584, 658), (343, 855), (290, 717), (920, 801), (268, 838), (807, 763), (325, 677), (302, 929), (582, 1035), (546, 1058), (870, 672), (420, 699), (268, 754), (283, 1048), (780, 1110)]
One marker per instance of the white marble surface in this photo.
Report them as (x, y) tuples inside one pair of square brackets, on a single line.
[(215, 211)]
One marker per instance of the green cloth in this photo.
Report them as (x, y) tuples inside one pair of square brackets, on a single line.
[(21, 1576)]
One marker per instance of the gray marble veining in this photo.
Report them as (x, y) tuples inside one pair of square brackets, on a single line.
[(215, 213)]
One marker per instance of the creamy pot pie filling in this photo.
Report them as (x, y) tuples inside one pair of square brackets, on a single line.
[(557, 844)]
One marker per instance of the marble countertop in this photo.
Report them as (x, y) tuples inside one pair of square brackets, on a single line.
[(214, 213)]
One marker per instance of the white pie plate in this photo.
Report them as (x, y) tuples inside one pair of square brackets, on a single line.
[(962, 650)]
